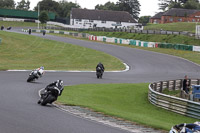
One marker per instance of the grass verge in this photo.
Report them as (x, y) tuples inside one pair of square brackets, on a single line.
[(17, 24), (18, 51), (189, 55), (180, 26), (127, 101)]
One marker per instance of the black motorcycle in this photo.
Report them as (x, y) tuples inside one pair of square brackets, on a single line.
[(49, 95), (99, 72)]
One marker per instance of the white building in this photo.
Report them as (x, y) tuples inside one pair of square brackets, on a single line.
[(84, 18)]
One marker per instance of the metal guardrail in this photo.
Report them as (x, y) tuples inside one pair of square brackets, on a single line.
[(172, 103)]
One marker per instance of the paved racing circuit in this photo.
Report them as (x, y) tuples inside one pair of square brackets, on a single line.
[(20, 113)]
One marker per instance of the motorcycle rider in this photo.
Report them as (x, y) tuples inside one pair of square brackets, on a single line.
[(188, 128), (101, 66), (38, 72), (56, 85)]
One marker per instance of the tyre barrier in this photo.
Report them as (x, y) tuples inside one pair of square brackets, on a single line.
[(179, 105)]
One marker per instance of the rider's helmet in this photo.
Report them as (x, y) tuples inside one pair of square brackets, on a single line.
[(42, 67), (197, 123), (59, 83)]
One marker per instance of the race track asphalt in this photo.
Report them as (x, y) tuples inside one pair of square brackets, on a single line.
[(20, 113)]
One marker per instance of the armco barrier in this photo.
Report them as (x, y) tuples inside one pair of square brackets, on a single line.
[(171, 103)]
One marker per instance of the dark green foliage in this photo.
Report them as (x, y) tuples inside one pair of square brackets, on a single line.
[(61, 8), (108, 6), (23, 5), (43, 17), (144, 19), (131, 6), (192, 4), (65, 8), (186, 4), (10, 4), (48, 5)]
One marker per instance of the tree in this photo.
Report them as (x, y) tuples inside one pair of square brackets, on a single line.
[(192, 4), (144, 19), (131, 6), (43, 17), (48, 5), (108, 6), (10, 4), (23, 5), (186, 4), (65, 8), (175, 5), (167, 4)]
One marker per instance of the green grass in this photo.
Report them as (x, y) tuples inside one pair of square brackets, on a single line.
[(175, 39), (17, 24), (175, 93), (127, 101), (18, 51), (181, 26), (189, 55)]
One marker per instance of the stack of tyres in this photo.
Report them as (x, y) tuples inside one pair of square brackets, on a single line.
[(104, 39), (145, 44), (61, 32), (132, 42), (116, 40)]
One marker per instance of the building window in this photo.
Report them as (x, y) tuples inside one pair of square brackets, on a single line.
[(79, 20), (103, 21), (180, 19), (170, 19), (155, 21)]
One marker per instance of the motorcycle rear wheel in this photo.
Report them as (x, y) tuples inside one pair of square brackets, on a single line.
[(30, 78)]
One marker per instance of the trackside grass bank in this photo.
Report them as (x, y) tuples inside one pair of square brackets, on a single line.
[(127, 101), (181, 26), (18, 51), (189, 55), (17, 24), (175, 39)]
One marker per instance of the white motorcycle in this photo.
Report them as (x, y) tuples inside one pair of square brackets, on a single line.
[(35, 74)]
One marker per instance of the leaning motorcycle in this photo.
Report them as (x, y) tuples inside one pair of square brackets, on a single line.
[(99, 72), (33, 76), (183, 130), (49, 96)]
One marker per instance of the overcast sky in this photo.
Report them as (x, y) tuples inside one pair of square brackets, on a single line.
[(148, 7)]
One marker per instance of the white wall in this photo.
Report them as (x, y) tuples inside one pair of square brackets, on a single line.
[(84, 23)]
